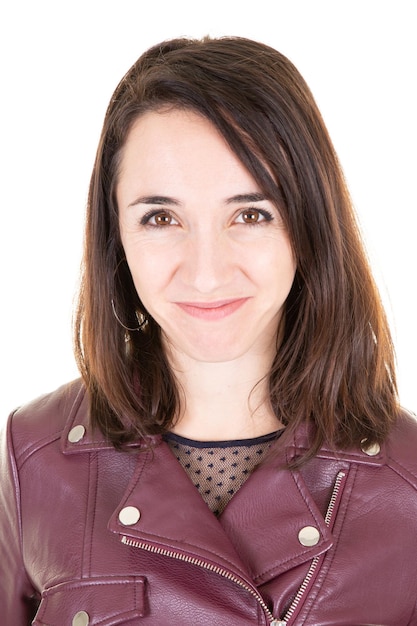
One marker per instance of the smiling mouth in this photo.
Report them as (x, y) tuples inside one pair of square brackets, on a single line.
[(212, 311)]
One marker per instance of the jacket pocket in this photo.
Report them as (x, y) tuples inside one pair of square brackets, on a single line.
[(100, 601)]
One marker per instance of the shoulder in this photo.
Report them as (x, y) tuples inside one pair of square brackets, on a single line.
[(401, 447), (43, 420), (398, 452), (59, 421)]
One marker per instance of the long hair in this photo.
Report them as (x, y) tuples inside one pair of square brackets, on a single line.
[(334, 366)]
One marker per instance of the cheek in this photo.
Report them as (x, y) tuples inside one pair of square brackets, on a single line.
[(283, 278), (276, 263), (289, 263), (150, 269)]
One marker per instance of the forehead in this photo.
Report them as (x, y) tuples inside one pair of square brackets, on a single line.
[(179, 148), (169, 128)]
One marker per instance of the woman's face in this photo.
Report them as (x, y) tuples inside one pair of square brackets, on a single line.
[(209, 255)]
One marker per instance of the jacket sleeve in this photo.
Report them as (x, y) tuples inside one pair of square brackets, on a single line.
[(18, 598)]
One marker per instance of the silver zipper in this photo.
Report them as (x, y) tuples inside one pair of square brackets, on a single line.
[(313, 567), (212, 568), (225, 574)]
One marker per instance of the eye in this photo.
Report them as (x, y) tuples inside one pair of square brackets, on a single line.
[(254, 216), (158, 218), (161, 219)]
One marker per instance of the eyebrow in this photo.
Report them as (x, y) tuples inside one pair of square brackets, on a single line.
[(163, 200), (167, 200), (246, 197)]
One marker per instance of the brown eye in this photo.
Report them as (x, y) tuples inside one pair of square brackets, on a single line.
[(251, 217), (254, 216), (158, 218), (162, 219)]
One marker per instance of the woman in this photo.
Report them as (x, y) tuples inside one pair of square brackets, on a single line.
[(235, 452)]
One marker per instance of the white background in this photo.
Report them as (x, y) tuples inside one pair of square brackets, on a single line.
[(60, 62)]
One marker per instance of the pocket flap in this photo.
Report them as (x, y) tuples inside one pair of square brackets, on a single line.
[(101, 601)]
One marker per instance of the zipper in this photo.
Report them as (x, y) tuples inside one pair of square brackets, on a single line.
[(296, 603), (212, 568), (313, 569)]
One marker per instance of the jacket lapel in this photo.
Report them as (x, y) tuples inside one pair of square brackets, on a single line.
[(265, 518), (256, 537), (173, 516), (258, 534)]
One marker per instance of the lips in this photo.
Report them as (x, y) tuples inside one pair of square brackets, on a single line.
[(212, 311)]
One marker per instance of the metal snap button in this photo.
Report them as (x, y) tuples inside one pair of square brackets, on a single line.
[(81, 619), (129, 515), (371, 450), (76, 434), (309, 536)]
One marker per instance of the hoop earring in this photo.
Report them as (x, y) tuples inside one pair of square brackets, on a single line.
[(141, 317)]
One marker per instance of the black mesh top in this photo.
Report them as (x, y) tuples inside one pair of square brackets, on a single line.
[(219, 468)]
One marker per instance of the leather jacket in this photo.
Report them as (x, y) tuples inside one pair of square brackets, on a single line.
[(94, 536)]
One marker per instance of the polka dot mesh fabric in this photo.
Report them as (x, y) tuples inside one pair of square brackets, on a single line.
[(219, 468)]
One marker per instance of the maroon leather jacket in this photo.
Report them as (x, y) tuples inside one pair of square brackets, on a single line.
[(93, 536)]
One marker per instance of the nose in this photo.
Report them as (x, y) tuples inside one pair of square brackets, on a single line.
[(207, 262)]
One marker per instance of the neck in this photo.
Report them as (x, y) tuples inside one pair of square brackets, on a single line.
[(224, 401)]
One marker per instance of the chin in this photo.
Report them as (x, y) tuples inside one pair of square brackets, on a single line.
[(216, 354)]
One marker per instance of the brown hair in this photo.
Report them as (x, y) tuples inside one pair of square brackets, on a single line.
[(335, 365)]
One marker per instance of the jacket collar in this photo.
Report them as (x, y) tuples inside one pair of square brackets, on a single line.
[(89, 440), (78, 434), (269, 509)]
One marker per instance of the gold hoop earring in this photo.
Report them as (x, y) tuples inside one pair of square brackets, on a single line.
[(141, 318)]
